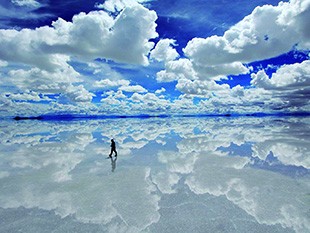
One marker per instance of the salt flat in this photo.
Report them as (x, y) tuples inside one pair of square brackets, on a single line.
[(238, 174)]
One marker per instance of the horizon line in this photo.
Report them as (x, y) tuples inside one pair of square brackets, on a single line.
[(47, 117)]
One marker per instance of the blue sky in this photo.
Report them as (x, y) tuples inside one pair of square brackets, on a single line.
[(127, 57)]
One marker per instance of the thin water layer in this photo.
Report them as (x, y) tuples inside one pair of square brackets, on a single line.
[(170, 175)]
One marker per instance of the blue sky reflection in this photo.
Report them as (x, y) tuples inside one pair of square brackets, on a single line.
[(167, 170)]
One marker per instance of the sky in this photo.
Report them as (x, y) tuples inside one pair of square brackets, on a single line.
[(132, 57)]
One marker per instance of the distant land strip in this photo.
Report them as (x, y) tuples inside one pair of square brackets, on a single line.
[(77, 117)]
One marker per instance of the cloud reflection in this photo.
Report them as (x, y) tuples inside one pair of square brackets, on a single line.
[(61, 167)]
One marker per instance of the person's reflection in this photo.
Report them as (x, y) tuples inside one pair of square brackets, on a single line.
[(113, 163)]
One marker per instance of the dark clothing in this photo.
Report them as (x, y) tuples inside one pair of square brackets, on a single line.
[(113, 148), (113, 144)]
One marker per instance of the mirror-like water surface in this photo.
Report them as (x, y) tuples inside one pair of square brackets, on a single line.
[(171, 175)]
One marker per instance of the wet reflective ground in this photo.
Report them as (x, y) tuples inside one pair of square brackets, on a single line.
[(171, 175)]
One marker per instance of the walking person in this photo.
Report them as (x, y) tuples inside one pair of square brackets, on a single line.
[(113, 148)]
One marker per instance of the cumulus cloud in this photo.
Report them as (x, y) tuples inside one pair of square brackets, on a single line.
[(287, 77), (41, 60), (79, 94), (287, 89), (137, 103), (159, 91), (41, 80), (118, 5), (89, 36), (291, 83), (133, 88), (121, 85), (38, 81), (96, 71), (26, 48), (185, 68), (149, 100), (219, 71), (148, 103), (211, 59), (198, 87), (31, 96), (97, 34), (174, 70), (252, 38), (65, 105), (249, 40), (164, 51), (107, 83)]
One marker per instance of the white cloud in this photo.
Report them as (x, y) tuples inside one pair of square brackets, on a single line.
[(261, 79), (111, 101), (288, 77), (291, 83), (10, 108), (174, 70), (216, 57), (249, 40), (164, 51), (267, 32), (42, 80), (88, 36), (133, 88), (79, 94), (26, 3), (42, 57), (118, 5), (285, 90), (131, 33), (203, 88), (186, 69), (65, 105), (26, 48), (31, 96), (160, 91), (119, 95), (148, 103), (101, 70), (237, 91), (149, 97), (99, 35), (206, 72), (107, 83), (42, 60)]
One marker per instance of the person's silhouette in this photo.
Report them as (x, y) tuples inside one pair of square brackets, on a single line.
[(113, 149)]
